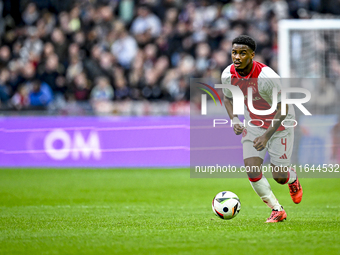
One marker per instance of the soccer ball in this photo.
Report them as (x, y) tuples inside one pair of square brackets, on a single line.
[(226, 205)]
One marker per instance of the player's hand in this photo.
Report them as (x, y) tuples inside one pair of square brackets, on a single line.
[(238, 129), (260, 143)]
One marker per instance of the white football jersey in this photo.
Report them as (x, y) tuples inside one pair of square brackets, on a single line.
[(262, 79)]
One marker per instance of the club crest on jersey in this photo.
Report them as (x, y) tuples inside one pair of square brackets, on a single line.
[(244, 133), (252, 85)]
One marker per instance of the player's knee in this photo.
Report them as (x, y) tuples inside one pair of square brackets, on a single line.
[(253, 172), (254, 176), (281, 180), (279, 174)]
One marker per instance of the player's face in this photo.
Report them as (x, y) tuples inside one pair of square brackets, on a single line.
[(241, 55)]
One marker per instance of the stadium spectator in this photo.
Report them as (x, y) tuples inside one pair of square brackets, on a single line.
[(41, 93), (102, 90), (21, 100), (4, 88), (5, 56), (91, 63), (51, 72), (31, 14), (121, 89), (146, 25), (27, 72), (60, 44), (75, 67), (125, 47), (80, 87)]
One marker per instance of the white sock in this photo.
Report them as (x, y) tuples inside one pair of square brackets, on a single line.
[(291, 176), (262, 188)]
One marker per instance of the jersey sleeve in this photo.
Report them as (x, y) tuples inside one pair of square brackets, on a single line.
[(268, 80), (226, 79)]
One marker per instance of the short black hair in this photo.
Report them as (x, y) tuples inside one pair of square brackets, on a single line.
[(245, 40)]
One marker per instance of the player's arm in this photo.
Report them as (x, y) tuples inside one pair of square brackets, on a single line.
[(261, 142), (228, 103)]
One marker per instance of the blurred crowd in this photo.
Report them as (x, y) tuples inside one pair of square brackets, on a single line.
[(67, 55)]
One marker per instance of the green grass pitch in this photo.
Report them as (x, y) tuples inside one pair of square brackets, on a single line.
[(159, 211)]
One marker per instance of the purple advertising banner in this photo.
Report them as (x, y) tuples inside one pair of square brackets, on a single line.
[(211, 145), (95, 142)]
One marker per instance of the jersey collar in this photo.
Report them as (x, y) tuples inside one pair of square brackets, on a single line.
[(248, 76)]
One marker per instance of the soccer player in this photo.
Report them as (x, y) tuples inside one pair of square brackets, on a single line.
[(263, 133)]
